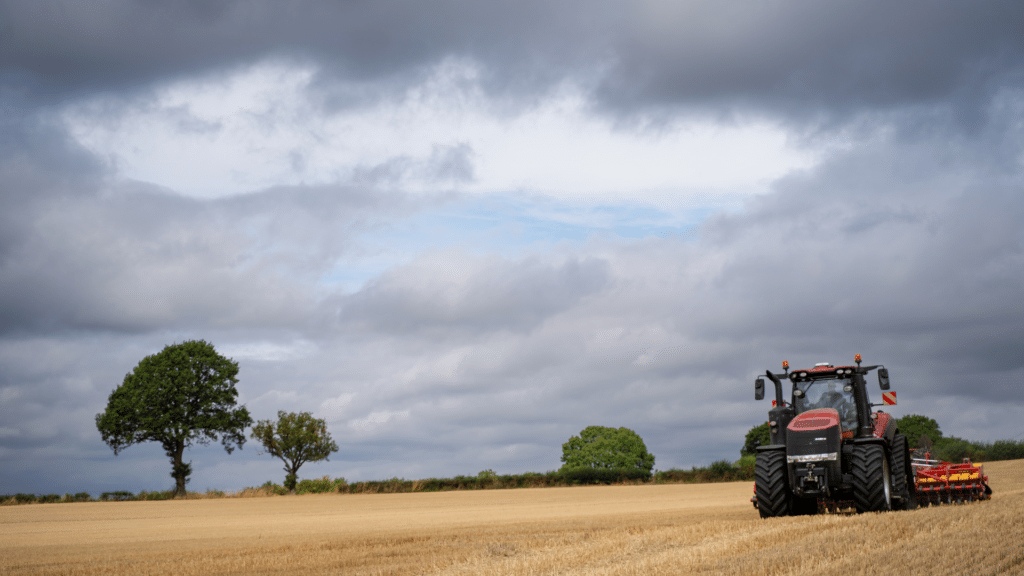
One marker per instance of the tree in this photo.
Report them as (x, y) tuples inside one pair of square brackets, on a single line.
[(915, 426), (953, 449), (295, 439), (182, 395), (757, 436), (606, 448)]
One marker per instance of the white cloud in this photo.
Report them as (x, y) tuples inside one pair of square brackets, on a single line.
[(378, 418), (262, 126), (338, 402), (448, 365), (277, 398), (267, 351)]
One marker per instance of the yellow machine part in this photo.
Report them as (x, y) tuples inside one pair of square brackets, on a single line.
[(952, 478)]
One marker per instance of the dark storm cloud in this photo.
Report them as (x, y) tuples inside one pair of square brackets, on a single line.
[(798, 59), (82, 251), (809, 59), (912, 251), (64, 48), (39, 166), (894, 238)]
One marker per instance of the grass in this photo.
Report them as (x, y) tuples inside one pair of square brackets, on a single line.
[(603, 530)]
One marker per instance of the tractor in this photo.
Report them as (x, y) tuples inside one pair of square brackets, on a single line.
[(828, 450)]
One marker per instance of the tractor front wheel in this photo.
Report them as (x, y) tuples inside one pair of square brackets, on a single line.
[(771, 483), (872, 482)]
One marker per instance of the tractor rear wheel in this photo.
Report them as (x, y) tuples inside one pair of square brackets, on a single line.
[(872, 482), (771, 483), (902, 474)]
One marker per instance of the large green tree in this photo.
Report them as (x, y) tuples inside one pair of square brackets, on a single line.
[(183, 395), (295, 439), (915, 426), (607, 448), (759, 435)]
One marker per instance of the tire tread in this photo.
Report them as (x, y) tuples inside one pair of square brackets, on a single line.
[(771, 483), (902, 473), (868, 478)]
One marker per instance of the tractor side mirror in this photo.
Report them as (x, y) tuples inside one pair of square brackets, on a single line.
[(883, 378), (759, 389)]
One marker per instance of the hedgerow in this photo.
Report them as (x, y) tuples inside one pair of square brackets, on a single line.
[(322, 485), (720, 471), (951, 449)]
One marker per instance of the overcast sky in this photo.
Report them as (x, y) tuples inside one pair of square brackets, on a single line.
[(463, 232)]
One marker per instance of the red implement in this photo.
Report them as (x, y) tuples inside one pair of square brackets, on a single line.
[(944, 483)]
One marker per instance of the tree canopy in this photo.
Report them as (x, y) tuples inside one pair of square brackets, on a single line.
[(182, 395), (915, 426), (295, 439), (606, 448), (759, 435)]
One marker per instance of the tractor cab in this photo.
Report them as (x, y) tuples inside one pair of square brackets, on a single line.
[(841, 388), (826, 386), (835, 393)]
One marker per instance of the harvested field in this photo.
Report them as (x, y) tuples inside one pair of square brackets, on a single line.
[(650, 529)]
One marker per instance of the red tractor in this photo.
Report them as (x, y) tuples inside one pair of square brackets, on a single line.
[(828, 450)]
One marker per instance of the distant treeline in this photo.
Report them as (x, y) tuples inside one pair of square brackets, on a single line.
[(718, 472), (81, 497), (721, 471), (950, 449), (953, 449), (486, 480)]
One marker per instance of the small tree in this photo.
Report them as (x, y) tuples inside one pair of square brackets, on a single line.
[(757, 436), (184, 394), (295, 439), (607, 448)]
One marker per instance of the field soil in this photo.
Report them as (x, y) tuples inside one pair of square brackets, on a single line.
[(604, 530)]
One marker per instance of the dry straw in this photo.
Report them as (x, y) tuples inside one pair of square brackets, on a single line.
[(602, 530)]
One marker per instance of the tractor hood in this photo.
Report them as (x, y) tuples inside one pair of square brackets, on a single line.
[(814, 436), (817, 419)]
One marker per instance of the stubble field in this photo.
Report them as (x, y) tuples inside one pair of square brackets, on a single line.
[(601, 530)]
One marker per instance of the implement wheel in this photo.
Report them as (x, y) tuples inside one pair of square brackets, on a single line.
[(771, 483), (872, 482)]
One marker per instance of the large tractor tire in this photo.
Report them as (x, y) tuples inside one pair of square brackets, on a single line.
[(771, 483), (872, 482), (903, 487)]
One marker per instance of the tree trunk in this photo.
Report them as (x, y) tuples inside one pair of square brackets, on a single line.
[(293, 475), (179, 471)]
